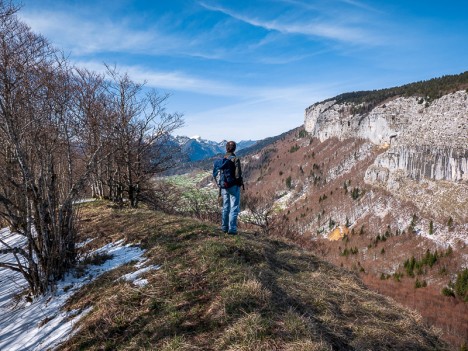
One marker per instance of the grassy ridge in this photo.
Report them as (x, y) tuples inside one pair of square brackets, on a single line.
[(217, 292)]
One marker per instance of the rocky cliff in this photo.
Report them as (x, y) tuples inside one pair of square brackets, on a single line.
[(423, 143), (422, 139)]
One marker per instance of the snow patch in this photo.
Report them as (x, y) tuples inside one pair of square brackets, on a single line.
[(84, 243), (83, 201), (42, 323), (134, 276), (140, 282)]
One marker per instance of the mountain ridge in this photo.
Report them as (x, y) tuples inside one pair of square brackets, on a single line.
[(430, 89), (197, 148)]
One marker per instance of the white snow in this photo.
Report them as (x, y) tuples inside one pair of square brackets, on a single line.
[(134, 276), (140, 282), (84, 243), (41, 324), (83, 201)]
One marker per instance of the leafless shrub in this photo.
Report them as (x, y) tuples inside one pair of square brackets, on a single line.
[(162, 196), (140, 128), (200, 203), (260, 212), (189, 201)]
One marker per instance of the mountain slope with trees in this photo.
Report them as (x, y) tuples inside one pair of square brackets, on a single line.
[(314, 190), (429, 90)]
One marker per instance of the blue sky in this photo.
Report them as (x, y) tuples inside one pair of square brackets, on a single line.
[(248, 69)]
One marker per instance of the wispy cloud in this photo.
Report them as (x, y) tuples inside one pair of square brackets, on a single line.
[(360, 5), (304, 5), (312, 27), (319, 5), (88, 35), (93, 35), (249, 94), (171, 80)]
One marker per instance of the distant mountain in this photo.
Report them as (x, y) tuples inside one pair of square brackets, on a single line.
[(198, 149), (243, 144), (184, 164)]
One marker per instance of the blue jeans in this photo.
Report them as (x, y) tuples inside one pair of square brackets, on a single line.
[(231, 207)]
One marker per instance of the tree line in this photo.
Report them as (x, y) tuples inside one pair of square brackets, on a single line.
[(66, 131), (428, 90)]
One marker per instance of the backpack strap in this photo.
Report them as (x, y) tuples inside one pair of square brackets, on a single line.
[(234, 159)]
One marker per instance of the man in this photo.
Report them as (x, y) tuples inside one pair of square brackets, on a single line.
[(228, 175)]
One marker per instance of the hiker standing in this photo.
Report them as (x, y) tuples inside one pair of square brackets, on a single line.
[(228, 175)]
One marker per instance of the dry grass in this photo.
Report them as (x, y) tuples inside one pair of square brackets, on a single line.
[(217, 292)]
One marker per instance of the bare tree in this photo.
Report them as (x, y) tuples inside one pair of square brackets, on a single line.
[(140, 131), (95, 117), (63, 128), (42, 170)]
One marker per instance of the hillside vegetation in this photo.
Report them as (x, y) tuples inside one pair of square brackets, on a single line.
[(429, 90), (218, 292), (312, 188)]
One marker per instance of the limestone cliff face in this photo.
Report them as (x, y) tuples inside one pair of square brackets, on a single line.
[(422, 139), (422, 161)]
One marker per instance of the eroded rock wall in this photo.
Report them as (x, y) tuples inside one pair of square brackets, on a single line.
[(431, 162), (424, 140)]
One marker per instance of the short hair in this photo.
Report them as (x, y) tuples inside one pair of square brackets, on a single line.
[(231, 146)]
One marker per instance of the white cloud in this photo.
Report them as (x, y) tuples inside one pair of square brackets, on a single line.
[(180, 81), (173, 80), (310, 27), (83, 35), (360, 4), (88, 35)]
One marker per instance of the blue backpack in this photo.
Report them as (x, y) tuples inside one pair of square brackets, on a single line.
[(226, 168)]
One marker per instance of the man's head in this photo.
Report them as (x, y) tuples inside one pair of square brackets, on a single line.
[(231, 146)]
